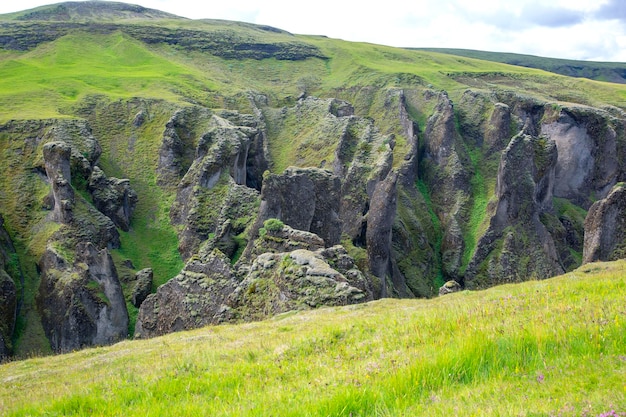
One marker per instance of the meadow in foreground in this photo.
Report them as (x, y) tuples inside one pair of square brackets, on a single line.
[(553, 347)]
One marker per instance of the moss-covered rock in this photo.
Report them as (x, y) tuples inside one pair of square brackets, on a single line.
[(306, 199), (81, 302), (517, 244), (11, 291), (297, 280), (113, 197), (196, 297), (142, 286), (220, 164), (605, 227)]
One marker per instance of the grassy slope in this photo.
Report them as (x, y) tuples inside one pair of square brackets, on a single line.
[(49, 80), (600, 71), (553, 347)]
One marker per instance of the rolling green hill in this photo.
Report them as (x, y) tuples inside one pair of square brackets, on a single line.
[(614, 72)]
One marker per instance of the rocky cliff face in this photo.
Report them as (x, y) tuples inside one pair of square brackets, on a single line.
[(524, 191), (605, 227), (282, 203), (79, 298), (306, 199), (491, 191), (82, 303), (220, 163), (57, 158), (9, 271), (113, 197)]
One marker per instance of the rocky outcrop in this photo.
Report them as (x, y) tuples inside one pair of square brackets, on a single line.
[(10, 273), (196, 297), (8, 309), (605, 227), (300, 279), (517, 244), (281, 238), (409, 170), (361, 171), (588, 163), (113, 197), (81, 303), (498, 130), (142, 286), (306, 199), (57, 159), (447, 171), (237, 214), (90, 225), (210, 291), (219, 164), (80, 298), (380, 220), (178, 144)]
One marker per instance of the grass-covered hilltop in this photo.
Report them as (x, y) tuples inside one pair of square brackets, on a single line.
[(164, 174)]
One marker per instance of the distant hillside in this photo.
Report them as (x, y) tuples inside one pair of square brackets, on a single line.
[(614, 72), (80, 11)]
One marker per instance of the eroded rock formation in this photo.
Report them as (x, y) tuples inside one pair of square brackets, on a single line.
[(113, 197), (220, 163), (81, 303), (8, 291), (517, 245), (289, 270), (605, 227), (304, 198), (194, 298)]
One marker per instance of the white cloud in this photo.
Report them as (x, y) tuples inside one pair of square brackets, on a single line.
[(576, 29)]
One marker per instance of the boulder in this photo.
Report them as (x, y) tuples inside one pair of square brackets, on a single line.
[(142, 286), (450, 287)]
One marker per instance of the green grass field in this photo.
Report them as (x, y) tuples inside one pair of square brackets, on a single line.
[(542, 348)]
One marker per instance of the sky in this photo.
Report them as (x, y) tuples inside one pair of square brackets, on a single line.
[(574, 29)]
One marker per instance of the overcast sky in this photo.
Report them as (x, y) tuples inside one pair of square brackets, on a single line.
[(575, 29)]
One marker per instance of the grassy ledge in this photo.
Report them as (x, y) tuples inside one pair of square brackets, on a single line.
[(553, 347)]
